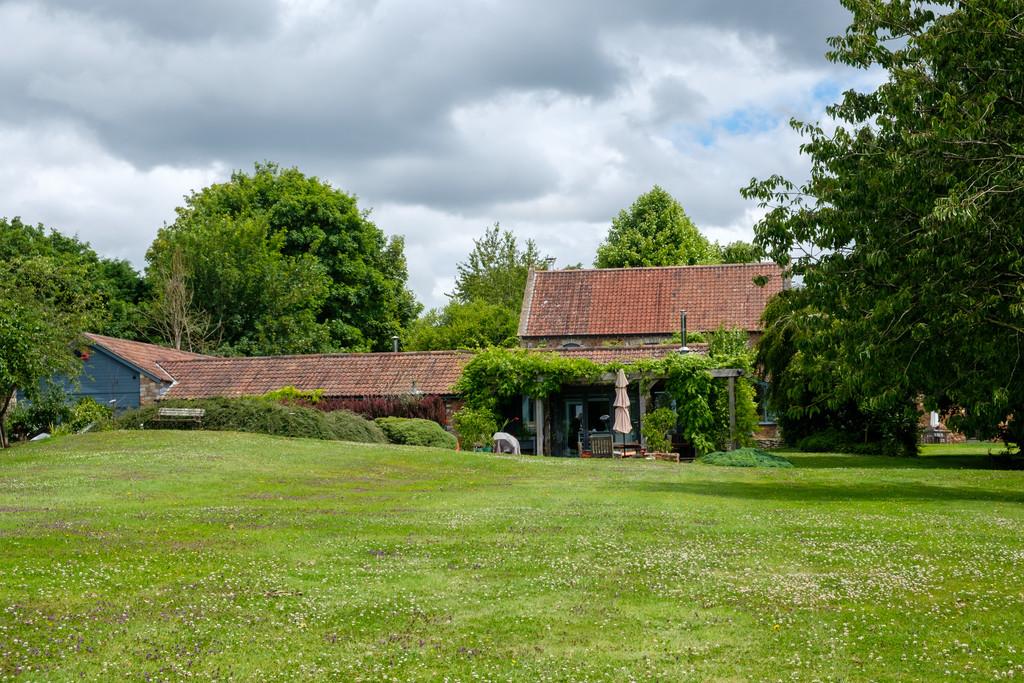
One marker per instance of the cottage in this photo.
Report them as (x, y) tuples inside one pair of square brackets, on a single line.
[(622, 315), (614, 315)]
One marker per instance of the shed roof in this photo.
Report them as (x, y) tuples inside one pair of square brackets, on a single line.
[(341, 375), (646, 301), (145, 357)]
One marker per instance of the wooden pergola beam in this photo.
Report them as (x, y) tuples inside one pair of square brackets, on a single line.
[(731, 374)]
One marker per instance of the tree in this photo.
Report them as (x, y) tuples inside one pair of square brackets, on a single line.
[(45, 305), (120, 288), (473, 325), (908, 233), (654, 231), (173, 315), (488, 296), (742, 252), (496, 269), (807, 388), (261, 301), (341, 283)]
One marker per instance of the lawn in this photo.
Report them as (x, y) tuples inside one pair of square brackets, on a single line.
[(172, 555)]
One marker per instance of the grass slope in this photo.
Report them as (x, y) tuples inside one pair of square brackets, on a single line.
[(166, 555)]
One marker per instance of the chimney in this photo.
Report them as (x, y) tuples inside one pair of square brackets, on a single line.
[(394, 344), (682, 331)]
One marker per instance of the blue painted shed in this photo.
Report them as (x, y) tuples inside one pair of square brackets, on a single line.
[(121, 373), (107, 379)]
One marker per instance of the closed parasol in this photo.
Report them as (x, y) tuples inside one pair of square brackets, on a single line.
[(622, 423)]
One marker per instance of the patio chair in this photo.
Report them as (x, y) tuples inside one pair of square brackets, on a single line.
[(601, 445)]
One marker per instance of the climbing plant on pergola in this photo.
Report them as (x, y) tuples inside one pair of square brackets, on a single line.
[(702, 404)]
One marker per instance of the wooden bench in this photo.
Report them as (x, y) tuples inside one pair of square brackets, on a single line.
[(180, 415)]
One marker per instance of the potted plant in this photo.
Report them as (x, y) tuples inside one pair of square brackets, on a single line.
[(475, 427), (656, 427)]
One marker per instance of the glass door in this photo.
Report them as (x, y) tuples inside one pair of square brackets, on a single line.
[(599, 415), (573, 426)]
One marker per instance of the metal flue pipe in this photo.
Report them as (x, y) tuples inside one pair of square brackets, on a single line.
[(682, 331)]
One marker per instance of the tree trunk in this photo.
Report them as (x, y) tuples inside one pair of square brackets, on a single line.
[(5, 402)]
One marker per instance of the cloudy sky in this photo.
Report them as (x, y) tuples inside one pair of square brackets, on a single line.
[(443, 117)]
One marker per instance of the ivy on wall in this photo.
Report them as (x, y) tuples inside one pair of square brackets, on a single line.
[(701, 402)]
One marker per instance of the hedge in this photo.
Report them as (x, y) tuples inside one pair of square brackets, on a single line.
[(416, 432), (260, 416)]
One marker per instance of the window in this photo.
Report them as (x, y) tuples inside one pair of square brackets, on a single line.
[(528, 416)]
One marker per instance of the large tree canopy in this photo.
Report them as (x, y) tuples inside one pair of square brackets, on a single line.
[(46, 302), (909, 231), (488, 295), (117, 286), (258, 300), (283, 262), (808, 391), (655, 231)]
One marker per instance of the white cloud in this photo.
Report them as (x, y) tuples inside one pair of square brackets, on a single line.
[(443, 118), (59, 176)]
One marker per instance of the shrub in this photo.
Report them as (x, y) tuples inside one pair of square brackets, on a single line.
[(416, 432), (351, 427), (475, 426), (19, 423), (290, 394), (836, 441), (656, 426), (825, 441), (744, 457), (260, 416), (43, 414), (424, 407), (85, 413)]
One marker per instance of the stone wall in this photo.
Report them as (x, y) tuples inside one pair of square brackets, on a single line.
[(149, 391), (595, 342), (608, 341), (767, 436)]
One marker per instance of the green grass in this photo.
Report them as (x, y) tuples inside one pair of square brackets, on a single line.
[(973, 448), (174, 555)]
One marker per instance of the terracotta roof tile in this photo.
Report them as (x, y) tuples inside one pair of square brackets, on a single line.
[(146, 357), (640, 301), (342, 375)]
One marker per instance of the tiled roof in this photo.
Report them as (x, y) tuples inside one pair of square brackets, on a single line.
[(627, 354), (144, 356), (343, 375), (641, 301)]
